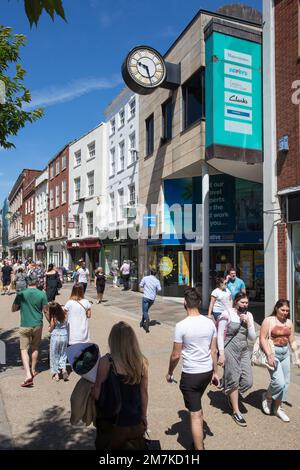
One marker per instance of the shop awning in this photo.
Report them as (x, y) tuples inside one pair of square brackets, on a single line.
[(83, 244)]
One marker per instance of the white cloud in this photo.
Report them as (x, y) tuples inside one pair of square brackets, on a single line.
[(55, 95)]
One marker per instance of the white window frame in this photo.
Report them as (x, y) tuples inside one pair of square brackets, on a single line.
[(92, 150), (121, 156), (77, 188), (77, 225), (57, 167), (121, 118), (112, 206), (51, 227), (91, 186), (77, 158), (132, 201), (64, 191), (112, 160), (132, 149), (52, 171), (90, 223), (64, 225), (57, 196), (121, 204), (57, 227), (63, 162), (132, 109), (51, 200), (112, 126)]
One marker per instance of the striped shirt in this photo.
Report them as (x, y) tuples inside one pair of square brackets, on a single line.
[(151, 286)]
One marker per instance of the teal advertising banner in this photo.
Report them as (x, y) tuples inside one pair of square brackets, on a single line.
[(233, 92)]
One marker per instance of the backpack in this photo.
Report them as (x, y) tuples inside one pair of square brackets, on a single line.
[(110, 400)]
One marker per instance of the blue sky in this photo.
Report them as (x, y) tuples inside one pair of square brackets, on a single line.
[(73, 69)]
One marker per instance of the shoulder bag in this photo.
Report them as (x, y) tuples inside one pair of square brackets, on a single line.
[(259, 357), (110, 400)]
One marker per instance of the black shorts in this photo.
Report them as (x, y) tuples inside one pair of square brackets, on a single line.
[(192, 387), (6, 282)]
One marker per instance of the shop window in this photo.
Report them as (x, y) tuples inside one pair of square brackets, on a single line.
[(150, 135), (193, 92), (167, 121)]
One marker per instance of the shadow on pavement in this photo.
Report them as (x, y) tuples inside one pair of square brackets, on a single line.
[(254, 398), (52, 430), (13, 355), (183, 429)]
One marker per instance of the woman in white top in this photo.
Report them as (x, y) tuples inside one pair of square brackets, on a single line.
[(220, 299), (235, 327), (79, 311)]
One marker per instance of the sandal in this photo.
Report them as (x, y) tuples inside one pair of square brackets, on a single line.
[(27, 383), (55, 377)]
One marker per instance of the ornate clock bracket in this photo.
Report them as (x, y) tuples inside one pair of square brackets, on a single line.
[(173, 79)]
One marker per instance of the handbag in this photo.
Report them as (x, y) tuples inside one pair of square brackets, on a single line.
[(110, 400), (259, 357), (151, 444)]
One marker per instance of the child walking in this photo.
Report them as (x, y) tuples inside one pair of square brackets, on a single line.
[(59, 341)]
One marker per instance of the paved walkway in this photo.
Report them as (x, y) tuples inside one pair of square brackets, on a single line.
[(38, 418)]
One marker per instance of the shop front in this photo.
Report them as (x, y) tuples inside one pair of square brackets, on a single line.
[(28, 249), (87, 250), (57, 253), (15, 250), (41, 252), (293, 214), (236, 235), (116, 251)]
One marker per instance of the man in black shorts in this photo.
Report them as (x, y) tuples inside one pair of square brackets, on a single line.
[(196, 341)]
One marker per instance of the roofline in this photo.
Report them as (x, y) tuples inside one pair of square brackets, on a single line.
[(58, 153), (87, 133), (19, 181), (213, 14)]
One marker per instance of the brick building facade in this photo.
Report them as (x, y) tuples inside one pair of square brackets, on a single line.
[(282, 150), (21, 191), (58, 208)]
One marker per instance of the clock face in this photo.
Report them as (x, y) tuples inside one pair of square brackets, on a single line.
[(146, 67)]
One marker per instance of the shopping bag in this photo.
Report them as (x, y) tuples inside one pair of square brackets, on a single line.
[(151, 444)]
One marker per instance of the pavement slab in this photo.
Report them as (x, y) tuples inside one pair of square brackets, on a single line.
[(39, 417)]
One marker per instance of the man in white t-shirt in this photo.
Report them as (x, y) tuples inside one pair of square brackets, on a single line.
[(196, 341), (83, 276)]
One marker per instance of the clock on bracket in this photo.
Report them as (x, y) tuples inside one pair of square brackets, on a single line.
[(144, 70)]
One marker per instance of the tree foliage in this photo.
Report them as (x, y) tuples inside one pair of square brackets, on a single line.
[(13, 116), (34, 9)]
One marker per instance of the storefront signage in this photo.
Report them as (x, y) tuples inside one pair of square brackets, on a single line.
[(165, 266), (149, 221), (83, 244), (183, 268), (233, 93), (40, 247)]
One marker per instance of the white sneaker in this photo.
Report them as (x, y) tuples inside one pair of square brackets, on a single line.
[(281, 414), (266, 404)]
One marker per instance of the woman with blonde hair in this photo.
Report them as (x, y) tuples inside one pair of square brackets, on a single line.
[(126, 429), (79, 311)]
